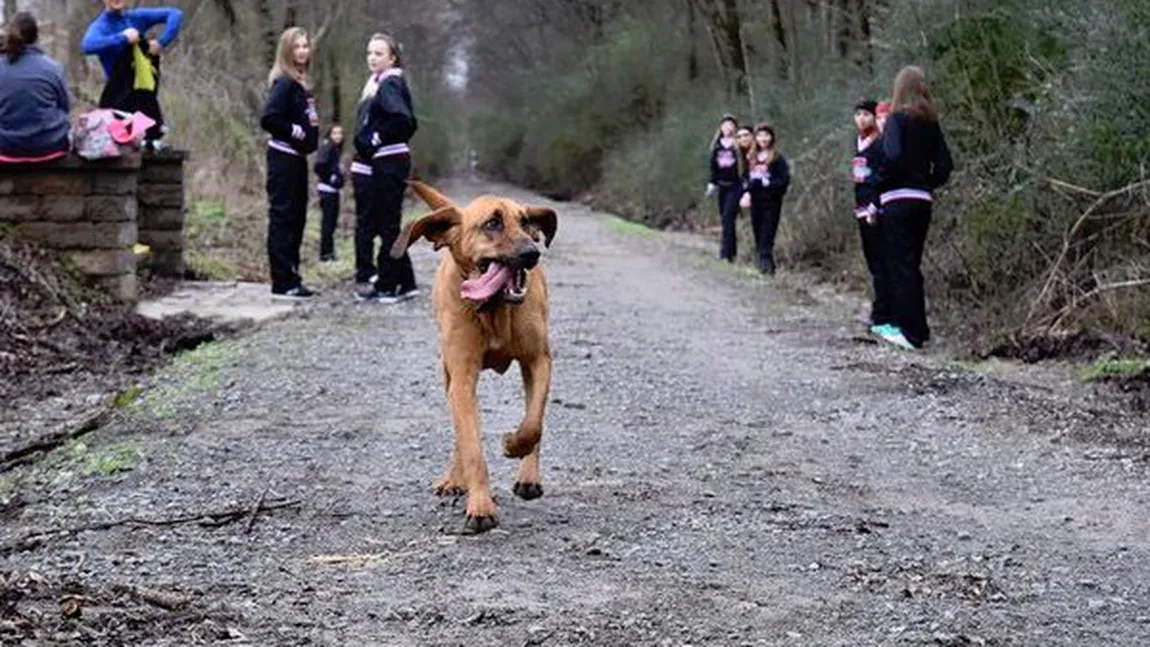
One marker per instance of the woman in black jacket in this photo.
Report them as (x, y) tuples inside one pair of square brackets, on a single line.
[(330, 174), (726, 179), (768, 178), (291, 119), (916, 161), (386, 126)]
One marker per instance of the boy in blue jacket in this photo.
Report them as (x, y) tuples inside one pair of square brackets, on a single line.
[(131, 62)]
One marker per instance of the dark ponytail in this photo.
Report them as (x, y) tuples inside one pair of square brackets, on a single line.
[(22, 32)]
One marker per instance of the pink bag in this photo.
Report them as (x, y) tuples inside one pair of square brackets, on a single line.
[(100, 134)]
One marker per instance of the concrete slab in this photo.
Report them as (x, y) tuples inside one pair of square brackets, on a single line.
[(228, 301)]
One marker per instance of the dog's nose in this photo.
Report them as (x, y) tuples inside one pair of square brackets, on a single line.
[(528, 256)]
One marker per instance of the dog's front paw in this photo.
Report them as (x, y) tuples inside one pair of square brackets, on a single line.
[(515, 447), (447, 486), (475, 525), (527, 491), (481, 513)]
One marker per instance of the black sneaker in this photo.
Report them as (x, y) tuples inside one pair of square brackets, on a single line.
[(375, 295), (297, 293), (368, 281), (408, 293)]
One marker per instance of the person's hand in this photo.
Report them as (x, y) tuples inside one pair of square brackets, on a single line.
[(868, 214), (745, 201), (711, 188), (154, 47), (132, 34)]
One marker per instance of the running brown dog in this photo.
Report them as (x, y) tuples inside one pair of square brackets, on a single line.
[(492, 308)]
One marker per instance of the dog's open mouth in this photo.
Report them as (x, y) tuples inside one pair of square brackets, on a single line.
[(497, 279)]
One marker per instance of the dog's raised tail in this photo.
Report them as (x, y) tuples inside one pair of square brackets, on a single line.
[(431, 196)]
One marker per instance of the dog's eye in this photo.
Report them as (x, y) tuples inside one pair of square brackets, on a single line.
[(494, 224)]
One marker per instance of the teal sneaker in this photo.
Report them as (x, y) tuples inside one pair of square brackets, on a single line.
[(893, 335), (880, 329)]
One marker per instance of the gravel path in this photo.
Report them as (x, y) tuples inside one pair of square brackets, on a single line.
[(724, 464)]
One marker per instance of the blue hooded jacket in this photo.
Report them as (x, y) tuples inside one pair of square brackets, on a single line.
[(33, 105), (105, 36)]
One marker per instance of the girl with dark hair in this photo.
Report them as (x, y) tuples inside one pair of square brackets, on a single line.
[(327, 169), (33, 98), (291, 119), (865, 167), (382, 135), (916, 161), (768, 178)]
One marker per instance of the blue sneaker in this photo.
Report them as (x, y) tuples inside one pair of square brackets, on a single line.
[(879, 329)]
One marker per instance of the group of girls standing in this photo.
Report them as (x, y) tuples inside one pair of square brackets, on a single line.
[(747, 171), (385, 123), (901, 157)]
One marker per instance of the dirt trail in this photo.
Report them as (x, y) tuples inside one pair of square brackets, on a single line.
[(724, 464)]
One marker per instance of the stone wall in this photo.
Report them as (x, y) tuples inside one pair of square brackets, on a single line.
[(84, 210), (161, 212), (92, 214)]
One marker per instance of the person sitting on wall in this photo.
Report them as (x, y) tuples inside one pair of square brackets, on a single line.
[(33, 98), (132, 63)]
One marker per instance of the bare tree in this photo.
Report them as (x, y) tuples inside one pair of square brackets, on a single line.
[(726, 32)]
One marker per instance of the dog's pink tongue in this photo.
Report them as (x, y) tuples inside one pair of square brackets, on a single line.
[(485, 287)]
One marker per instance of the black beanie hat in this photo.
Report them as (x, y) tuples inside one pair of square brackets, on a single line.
[(868, 105)]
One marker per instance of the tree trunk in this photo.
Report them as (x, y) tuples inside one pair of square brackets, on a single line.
[(845, 32), (291, 14), (693, 39), (781, 36), (336, 88), (270, 37), (9, 10), (726, 32), (861, 16)]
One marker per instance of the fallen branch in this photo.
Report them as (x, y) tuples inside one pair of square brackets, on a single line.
[(256, 509), (358, 560), (23, 455), (1101, 289), (161, 599), (206, 519), (1068, 241), (1059, 184)]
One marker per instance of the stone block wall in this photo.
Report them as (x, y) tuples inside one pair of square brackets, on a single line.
[(93, 213), (85, 211), (161, 212)]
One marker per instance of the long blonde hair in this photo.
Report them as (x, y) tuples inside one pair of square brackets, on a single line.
[(372, 84), (911, 94), (285, 64)]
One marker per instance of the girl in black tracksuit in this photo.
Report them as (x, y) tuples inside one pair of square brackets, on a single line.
[(726, 180), (916, 161), (865, 167), (768, 177), (382, 135), (291, 119), (330, 175), (361, 184)]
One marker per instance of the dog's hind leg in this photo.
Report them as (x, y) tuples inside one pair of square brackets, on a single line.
[(524, 442), (464, 376)]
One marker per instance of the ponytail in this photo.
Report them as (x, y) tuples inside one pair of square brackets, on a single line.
[(22, 32)]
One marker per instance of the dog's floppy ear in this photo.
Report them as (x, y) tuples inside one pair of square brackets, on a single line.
[(432, 197), (543, 219), (436, 227)]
